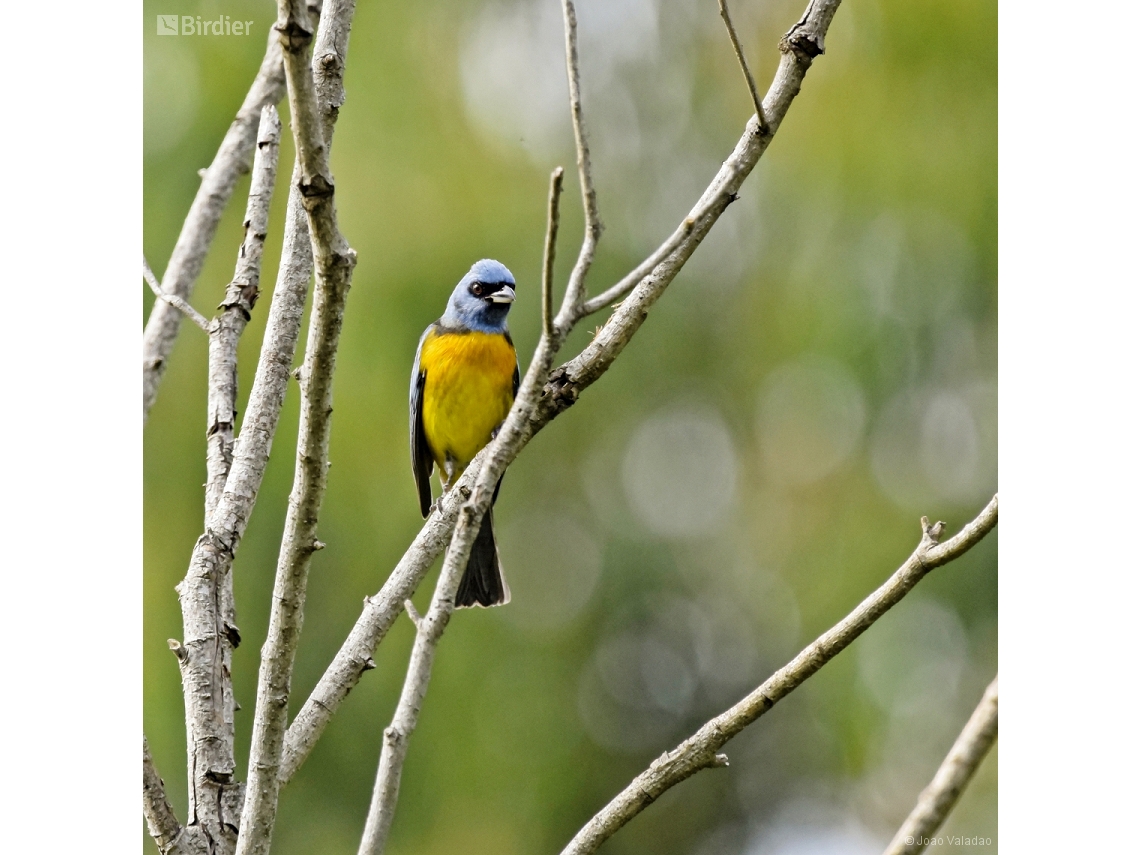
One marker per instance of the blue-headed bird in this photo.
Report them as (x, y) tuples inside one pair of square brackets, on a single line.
[(464, 380)]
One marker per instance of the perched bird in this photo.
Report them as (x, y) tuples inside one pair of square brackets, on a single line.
[(464, 380)]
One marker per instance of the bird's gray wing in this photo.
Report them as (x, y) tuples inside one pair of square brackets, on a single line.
[(421, 452), (515, 379), (514, 394)]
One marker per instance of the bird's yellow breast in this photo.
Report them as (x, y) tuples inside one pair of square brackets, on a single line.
[(468, 391)]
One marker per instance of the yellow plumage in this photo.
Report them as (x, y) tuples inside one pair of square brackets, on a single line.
[(468, 391)]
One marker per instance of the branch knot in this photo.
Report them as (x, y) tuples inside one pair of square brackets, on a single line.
[(317, 187), (801, 41), (295, 36), (931, 534), (241, 294), (561, 390)]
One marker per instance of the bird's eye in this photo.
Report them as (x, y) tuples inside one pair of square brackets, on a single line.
[(477, 289)]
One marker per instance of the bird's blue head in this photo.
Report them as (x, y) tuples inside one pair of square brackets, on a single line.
[(482, 298)]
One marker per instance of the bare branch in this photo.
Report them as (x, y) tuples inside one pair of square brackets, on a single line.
[(313, 121), (160, 819), (429, 630), (562, 388), (576, 287), (173, 299), (241, 294), (548, 252), (749, 79), (936, 801), (799, 47), (210, 635), (699, 751), (231, 162), (380, 612)]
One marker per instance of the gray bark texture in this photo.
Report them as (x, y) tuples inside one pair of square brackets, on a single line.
[(161, 822), (241, 295), (174, 300)]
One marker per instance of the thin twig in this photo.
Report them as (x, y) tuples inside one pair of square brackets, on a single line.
[(700, 751), (626, 284), (507, 443), (561, 389), (799, 47), (233, 160), (749, 79), (490, 467), (576, 287), (429, 629), (413, 613), (173, 299), (161, 822), (315, 96), (229, 324), (548, 252), (937, 800), (379, 614)]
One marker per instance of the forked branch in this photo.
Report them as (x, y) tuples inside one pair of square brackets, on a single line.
[(173, 299), (204, 658), (526, 415), (748, 78)]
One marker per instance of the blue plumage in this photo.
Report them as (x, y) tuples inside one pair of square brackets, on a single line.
[(486, 313)]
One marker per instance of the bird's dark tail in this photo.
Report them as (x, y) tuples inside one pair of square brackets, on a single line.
[(483, 583)]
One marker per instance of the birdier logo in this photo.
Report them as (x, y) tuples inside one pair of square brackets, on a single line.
[(193, 25)]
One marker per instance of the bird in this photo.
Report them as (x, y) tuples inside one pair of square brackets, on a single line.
[(464, 381)]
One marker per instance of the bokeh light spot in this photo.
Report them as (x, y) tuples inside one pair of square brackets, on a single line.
[(810, 420), (552, 564), (913, 660), (680, 472)]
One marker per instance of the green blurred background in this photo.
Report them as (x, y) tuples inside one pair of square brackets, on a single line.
[(821, 374)]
